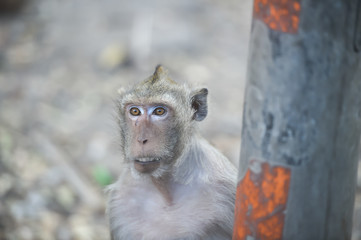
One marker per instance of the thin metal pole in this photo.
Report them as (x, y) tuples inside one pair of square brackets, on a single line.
[(302, 121)]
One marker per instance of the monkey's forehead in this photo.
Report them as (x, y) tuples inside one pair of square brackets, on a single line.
[(172, 99)]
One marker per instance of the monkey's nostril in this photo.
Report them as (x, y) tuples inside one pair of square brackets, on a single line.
[(141, 140)]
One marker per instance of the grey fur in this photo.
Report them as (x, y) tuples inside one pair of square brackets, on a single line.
[(199, 179)]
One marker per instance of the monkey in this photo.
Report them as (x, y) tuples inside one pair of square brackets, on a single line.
[(173, 184)]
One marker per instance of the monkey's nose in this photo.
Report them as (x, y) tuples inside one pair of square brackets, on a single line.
[(142, 141)]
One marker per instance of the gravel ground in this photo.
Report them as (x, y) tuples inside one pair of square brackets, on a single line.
[(61, 63)]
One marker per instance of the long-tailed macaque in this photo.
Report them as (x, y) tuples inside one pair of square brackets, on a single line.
[(173, 183)]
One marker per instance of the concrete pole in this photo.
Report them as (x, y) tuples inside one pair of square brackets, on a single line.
[(302, 121)]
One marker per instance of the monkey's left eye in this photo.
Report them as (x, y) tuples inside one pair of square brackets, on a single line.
[(134, 111), (159, 111)]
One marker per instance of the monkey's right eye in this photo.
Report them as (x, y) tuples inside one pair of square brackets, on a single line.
[(134, 111)]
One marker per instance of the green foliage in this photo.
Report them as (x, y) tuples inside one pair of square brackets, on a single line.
[(102, 175)]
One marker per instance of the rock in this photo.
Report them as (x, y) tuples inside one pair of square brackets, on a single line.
[(5, 183), (65, 197), (112, 56), (80, 229)]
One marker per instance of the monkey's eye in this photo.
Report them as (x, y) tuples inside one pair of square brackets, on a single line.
[(134, 111), (159, 111)]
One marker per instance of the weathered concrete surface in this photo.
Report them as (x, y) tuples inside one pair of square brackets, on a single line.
[(303, 112)]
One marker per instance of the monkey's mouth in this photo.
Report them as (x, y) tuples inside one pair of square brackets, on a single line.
[(147, 160), (146, 164)]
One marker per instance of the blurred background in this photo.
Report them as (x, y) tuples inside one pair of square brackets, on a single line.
[(61, 63)]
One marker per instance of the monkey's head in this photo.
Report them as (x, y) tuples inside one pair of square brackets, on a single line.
[(156, 119)]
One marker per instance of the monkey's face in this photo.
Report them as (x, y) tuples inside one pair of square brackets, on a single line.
[(156, 119), (152, 136)]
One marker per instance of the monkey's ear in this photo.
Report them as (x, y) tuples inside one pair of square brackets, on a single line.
[(199, 104)]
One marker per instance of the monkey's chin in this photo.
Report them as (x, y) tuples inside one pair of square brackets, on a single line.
[(146, 165)]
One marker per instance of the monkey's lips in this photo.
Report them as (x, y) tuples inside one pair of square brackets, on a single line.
[(146, 164)]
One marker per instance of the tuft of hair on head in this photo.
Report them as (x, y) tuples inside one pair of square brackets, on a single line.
[(160, 74)]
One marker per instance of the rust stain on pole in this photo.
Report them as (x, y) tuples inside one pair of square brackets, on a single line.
[(260, 203), (279, 15)]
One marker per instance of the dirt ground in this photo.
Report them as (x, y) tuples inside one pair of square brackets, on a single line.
[(61, 63)]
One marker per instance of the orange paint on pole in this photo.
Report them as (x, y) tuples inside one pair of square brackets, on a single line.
[(279, 15), (260, 203)]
